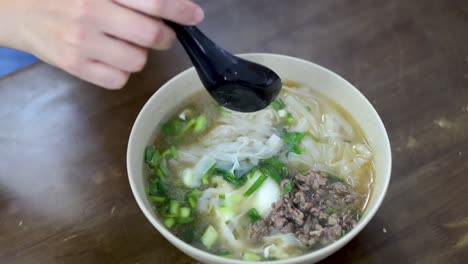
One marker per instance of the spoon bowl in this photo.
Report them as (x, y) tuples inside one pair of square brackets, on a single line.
[(235, 83)]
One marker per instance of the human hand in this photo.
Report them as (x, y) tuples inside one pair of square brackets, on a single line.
[(100, 41)]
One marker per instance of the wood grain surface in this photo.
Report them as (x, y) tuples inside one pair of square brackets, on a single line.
[(64, 193)]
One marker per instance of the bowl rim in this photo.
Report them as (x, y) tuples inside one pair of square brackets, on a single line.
[(325, 251)]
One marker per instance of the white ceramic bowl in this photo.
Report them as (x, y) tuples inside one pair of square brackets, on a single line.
[(169, 97)]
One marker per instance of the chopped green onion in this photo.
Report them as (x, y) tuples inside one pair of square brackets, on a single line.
[(172, 127), (297, 150), (252, 172), (157, 187), (230, 177), (169, 216), (290, 119), (149, 152), (187, 232), (200, 124), (255, 185), (184, 220), (177, 127), (222, 196), (226, 211), (357, 215), (184, 212), (174, 207), (249, 256), (192, 197), (278, 104), (186, 128), (225, 254), (157, 199), (292, 140), (172, 150), (203, 167), (163, 208), (193, 202), (153, 186), (163, 187), (155, 159), (209, 237), (329, 210), (169, 222), (344, 232), (309, 108), (287, 188), (274, 168), (205, 180), (162, 171), (253, 215), (333, 179)]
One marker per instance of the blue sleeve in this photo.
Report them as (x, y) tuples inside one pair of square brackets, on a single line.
[(13, 60)]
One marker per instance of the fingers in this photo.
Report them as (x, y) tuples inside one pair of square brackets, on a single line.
[(102, 59), (101, 74), (103, 42), (180, 11), (120, 54), (138, 29)]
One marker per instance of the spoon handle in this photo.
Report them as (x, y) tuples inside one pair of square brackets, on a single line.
[(209, 59)]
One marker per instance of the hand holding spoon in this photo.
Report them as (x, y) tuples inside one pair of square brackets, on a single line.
[(233, 82)]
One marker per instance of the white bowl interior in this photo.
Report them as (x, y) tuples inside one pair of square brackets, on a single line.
[(178, 90)]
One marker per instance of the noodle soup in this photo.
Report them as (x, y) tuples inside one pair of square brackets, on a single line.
[(268, 185)]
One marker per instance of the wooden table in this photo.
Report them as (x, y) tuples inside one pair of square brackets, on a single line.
[(64, 193)]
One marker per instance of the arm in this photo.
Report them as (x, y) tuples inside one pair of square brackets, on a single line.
[(101, 41)]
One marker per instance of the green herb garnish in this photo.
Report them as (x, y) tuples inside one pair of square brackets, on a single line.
[(149, 152), (192, 197), (290, 119), (334, 178), (278, 104), (185, 220), (200, 124), (173, 127), (357, 215), (253, 215), (344, 232), (292, 140), (177, 127), (155, 159), (157, 187), (255, 185), (157, 199), (225, 254), (230, 177), (171, 151), (287, 188), (274, 168), (330, 210), (169, 222)]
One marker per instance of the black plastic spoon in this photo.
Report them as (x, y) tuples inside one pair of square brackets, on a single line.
[(233, 82)]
